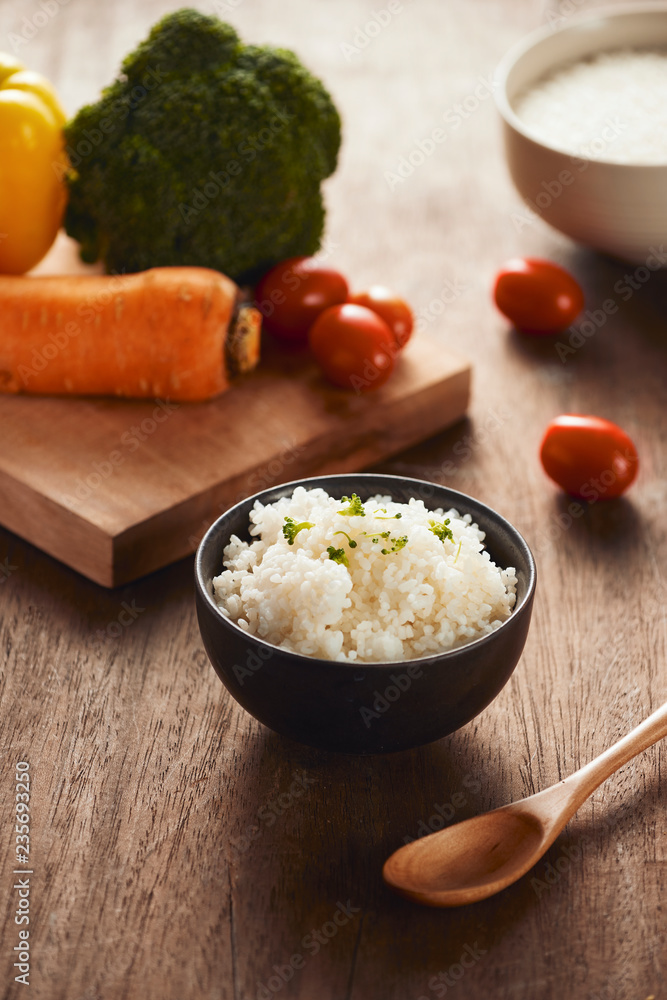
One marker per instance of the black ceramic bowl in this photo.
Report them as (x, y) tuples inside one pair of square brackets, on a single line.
[(369, 707)]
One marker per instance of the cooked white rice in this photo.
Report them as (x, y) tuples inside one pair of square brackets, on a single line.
[(427, 596), (610, 106)]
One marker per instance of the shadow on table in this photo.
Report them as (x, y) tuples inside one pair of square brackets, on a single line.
[(625, 306), (88, 613), (330, 849), (607, 527), (356, 813)]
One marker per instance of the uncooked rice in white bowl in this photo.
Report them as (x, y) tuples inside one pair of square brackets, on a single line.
[(396, 583)]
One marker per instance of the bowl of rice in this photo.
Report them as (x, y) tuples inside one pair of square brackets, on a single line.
[(363, 613), (584, 108)]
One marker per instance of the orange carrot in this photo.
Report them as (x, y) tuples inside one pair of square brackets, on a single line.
[(172, 332)]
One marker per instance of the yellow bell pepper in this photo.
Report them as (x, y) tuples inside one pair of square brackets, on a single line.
[(32, 166)]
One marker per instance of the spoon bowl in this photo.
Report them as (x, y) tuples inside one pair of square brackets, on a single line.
[(478, 857), (479, 854)]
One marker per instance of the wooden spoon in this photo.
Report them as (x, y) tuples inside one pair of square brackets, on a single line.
[(478, 857)]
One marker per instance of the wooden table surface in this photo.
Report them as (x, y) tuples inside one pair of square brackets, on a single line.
[(179, 849)]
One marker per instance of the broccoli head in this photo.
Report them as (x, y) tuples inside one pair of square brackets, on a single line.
[(204, 151)]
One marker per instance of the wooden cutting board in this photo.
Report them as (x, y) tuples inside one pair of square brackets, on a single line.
[(118, 488)]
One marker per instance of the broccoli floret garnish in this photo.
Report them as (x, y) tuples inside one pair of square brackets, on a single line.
[(291, 529), (441, 531), (356, 508), (376, 538), (338, 555), (350, 541), (397, 545), (204, 151), (390, 517)]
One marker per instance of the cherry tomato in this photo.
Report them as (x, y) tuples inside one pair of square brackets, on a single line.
[(537, 296), (396, 313), (292, 295), (354, 347), (589, 457)]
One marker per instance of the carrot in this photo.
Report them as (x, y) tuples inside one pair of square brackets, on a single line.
[(173, 332)]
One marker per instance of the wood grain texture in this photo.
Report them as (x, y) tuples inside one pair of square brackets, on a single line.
[(118, 488), (175, 852)]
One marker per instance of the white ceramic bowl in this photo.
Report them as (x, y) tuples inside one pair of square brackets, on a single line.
[(618, 208)]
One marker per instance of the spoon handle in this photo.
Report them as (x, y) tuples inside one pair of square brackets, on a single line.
[(586, 779)]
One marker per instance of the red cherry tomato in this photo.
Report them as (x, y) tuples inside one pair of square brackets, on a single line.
[(589, 457), (354, 347), (292, 295), (537, 296), (396, 313)]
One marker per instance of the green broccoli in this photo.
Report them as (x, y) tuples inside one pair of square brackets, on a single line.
[(441, 531), (355, 508), (203, 152), (291, 529), (338, 556)]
